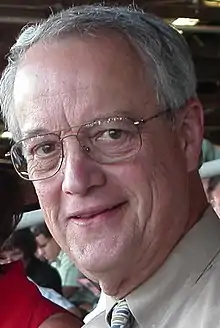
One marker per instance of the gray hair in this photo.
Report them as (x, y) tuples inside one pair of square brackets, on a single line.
[(172, 66)]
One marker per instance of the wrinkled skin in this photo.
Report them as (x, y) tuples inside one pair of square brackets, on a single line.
[(92, 82)]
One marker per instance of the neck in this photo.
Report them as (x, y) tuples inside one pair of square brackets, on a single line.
[(198, 200)]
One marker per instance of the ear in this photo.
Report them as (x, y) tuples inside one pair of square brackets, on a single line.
[(189, 124)]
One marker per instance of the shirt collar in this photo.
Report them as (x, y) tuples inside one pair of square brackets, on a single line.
[(60, 255), (183, 268), (59, 258)]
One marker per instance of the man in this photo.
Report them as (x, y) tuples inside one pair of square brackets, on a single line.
[(48, 248), (213, 192), (102, 104)]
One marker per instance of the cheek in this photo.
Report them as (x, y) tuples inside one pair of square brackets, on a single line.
[(152, 180), (136, 180), (49, 251), (48, 193)]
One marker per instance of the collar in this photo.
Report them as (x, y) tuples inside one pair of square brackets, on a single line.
[(59, 259), (189, 260)]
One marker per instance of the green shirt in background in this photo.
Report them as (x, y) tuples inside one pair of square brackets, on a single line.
[(67, 270), (210, 151)]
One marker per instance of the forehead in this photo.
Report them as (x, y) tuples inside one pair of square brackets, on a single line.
[(79, 80), (41, 240)]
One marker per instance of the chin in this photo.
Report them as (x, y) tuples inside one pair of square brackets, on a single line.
[(95, 264), (50, 261), (99, 255)]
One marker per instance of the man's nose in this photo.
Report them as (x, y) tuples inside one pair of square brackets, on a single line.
[(80, 172), (40, 252)]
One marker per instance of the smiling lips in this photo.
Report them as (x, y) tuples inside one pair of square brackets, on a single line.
[(95, 212)]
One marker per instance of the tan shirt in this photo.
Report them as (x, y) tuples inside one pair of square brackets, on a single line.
[(185, 291)]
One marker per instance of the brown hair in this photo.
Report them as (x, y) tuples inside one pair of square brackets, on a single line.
[(41, 229)]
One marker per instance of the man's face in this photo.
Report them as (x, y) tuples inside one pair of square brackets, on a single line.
[(143, 201), (47, 248), (12, 255)]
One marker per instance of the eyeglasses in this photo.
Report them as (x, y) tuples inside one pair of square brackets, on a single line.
[(106, 141)]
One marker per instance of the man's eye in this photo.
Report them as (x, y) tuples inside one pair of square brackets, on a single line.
[(45, 149), (114, 134)]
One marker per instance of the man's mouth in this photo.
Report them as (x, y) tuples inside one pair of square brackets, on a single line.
[(100, 212)]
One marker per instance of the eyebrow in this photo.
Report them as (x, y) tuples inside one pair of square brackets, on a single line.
[(42, 245), (34, 133), (40, 131), (118, 112)]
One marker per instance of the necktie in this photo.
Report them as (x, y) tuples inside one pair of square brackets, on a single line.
[(121, 316)]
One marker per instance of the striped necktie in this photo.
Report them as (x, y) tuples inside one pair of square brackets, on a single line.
[(121, 316)]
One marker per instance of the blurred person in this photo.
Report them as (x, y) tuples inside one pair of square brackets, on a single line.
[(213, 193), (205, 183), (75, 286), (22, 304), (111, 137), (48, 248), (60, 300), (210, 151), (22, 245)]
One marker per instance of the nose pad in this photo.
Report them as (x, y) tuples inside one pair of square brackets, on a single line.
[(86, 149), (63, 149), (70, 135)]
